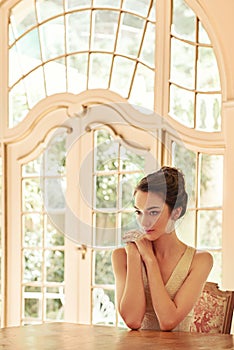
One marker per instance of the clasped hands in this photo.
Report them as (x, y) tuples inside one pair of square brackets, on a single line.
[(143, 245), (132, 236)]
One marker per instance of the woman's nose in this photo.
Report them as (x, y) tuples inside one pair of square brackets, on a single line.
[(145, 222)]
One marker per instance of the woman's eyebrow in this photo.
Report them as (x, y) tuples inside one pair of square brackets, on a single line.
[(150, 208), (153, 207)]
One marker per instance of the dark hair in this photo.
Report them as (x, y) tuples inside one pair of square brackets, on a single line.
[(169, 182)]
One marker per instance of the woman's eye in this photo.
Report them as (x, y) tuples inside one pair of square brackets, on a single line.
[(154, 213), (137, 212)]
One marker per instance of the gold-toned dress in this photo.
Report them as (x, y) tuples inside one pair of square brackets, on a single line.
[(174, 283)]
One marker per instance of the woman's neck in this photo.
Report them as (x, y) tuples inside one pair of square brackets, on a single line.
[(167, 245)]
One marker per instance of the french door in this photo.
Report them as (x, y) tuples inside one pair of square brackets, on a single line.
[(68, 204)]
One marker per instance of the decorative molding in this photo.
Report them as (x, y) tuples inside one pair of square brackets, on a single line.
[(118, 137), (41, 145), (81, 106)]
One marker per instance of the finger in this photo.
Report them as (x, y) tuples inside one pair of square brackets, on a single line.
[(129, 234), (132, 235)]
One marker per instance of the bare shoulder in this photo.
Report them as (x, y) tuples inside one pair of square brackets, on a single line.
[(119, 254), (203, 259)]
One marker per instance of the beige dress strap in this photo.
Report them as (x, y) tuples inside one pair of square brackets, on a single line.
[(180, 272), (174, 283)]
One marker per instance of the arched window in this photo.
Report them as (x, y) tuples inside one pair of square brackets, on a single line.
[(154, 63), (57, 47), (195, 96)]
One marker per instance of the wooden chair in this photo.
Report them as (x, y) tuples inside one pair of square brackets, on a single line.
[(213, 311)]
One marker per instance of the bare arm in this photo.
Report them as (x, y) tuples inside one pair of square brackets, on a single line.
[(171, 312), (127, 266)]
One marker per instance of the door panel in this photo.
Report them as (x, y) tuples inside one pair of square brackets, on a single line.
[(103, 168)]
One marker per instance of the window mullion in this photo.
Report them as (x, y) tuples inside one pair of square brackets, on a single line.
[(162, 56), (4, 71)]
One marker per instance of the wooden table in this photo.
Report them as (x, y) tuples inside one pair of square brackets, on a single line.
[(68, 336)]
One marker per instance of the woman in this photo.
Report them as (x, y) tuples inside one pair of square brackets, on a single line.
[(158, 277)]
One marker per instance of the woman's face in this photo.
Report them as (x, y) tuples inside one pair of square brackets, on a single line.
[(152, 213)]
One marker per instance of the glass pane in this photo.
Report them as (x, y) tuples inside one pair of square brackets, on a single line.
[(35, 92), (74, 4), (106, 151), (32, 265), (122, 74), (138, 6), (209, 229), (21, 19), (54, 260), (148, 48), (53, 237), (54, 303), (78, 31), (32, 302), (106, 190), (207, 70), (211, 180), (52, 38), (55, 155), (32, 230), (144, 96), (55, 76), (185, 160), (128, 184), (184, 21), (32, 307), (106, 3), (208, 112), (54, 309), (54, 194), (105, 229), (128, 222), (182, 64), (131, 161), (47, 9), (33, 167), (29, 51), (203, 36), (15, 68), (77, 72), (185, 228), (130, 35), (11, 37), (18, 105), (103, 267), (102, 136), (182, 105), (100, 65), (103, 307), (31, 192), (104, 30)]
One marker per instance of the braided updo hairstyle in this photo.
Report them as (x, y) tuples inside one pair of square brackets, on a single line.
[(168, 182)]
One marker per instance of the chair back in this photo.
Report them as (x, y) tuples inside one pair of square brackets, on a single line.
[(213, 311)]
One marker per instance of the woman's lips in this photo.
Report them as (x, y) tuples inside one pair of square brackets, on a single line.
[(148, 231)]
